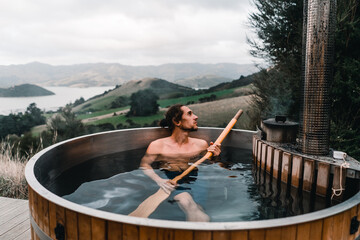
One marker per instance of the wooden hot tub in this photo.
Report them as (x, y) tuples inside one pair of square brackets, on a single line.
[(53, 217)]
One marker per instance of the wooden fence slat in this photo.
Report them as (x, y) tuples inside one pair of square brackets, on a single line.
[(322, 182), (277, 163), (269, 159), (259, 148), (297, 171), (263, 156), (286, 167), (308, 178)]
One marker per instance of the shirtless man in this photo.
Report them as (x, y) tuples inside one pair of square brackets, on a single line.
[(175, 153)]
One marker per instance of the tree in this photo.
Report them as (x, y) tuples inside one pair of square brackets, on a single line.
[(143, 103), (345, 91), (65, 126), (278, 25)]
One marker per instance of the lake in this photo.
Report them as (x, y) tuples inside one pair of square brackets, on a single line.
[(63, 96)]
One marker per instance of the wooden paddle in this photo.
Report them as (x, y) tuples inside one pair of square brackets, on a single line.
[(149, 205)]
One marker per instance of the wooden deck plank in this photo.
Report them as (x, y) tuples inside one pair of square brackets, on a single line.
[(14, 219)]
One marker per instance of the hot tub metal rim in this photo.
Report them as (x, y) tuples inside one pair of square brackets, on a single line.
[(170, 224)]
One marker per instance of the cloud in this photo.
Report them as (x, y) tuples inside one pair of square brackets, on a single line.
[(137, 32)]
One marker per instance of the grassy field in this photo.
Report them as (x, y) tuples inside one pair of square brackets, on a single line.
[(115, 120), (219, 113), (211, 114), (99, 113)]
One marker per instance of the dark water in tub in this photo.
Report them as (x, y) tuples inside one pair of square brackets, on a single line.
[(230, 190)]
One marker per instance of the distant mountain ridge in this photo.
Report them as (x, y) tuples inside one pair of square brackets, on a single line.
[(111, 74), (24, 90)]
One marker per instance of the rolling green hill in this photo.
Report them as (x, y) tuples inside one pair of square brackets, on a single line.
[(162, 88), (24, 90)]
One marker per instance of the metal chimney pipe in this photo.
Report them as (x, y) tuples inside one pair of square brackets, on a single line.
[(318, 74)]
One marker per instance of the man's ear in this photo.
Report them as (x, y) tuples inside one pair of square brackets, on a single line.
[(176, 123)]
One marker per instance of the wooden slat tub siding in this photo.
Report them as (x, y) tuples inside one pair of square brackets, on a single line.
[(114, 230), (239, 235), (147, 233), (337, 226), (35, 207), (336, 181), (221, 235), (348, 215), (40, 212), (84, 225), (52, 219), (269, 159), (257, 234), (288, 232), (309, 171), (358, 218), (46, 221), (183, 234), (202, 235), (31, 202), (303, 231), (322, 182), (273, 234), (130, 232), (263, 156), (297, 171), (286, 167), (71, 227), (165, 234), (277, 163), (316, 229), (98, 228)]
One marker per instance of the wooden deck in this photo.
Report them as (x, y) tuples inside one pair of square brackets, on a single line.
[(14, 219)]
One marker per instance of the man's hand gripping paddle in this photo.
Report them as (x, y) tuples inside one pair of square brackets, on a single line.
[(150, 204)]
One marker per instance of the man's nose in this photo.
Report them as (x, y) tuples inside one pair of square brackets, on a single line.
[(196, 117)]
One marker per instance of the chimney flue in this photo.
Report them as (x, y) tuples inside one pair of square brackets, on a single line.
[(318, 74)]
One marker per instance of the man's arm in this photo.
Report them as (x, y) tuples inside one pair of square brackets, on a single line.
[(150, 156)]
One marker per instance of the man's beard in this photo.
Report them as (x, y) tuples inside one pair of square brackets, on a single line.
[(191, 129)]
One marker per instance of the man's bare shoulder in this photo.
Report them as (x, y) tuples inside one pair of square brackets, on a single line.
[(156, 146), (199, 142)]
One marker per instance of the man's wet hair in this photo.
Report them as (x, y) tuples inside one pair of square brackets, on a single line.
[(173, 113)]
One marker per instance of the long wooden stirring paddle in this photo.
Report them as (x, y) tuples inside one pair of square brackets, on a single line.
[(150, 204)]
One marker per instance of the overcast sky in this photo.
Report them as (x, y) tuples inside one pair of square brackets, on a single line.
[(131, 32)]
